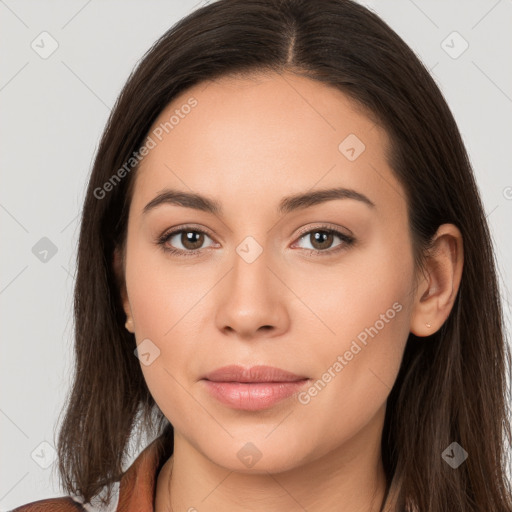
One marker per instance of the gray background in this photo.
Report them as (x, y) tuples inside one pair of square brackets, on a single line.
[(53, 111)]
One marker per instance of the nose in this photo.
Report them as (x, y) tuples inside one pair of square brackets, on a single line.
[(252, 300)]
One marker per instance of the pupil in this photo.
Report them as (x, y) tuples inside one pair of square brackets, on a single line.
[(189, 239), (321, 237)]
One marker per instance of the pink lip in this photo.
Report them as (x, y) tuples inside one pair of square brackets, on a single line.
[(237, 373), (252, 389)]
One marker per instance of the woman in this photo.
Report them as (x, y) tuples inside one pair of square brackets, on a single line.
[(282, 225)]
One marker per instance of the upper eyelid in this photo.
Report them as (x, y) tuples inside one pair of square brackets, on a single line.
[(179, 229), (326, 226)]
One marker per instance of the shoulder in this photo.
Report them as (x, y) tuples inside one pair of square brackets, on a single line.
[(64, 504)]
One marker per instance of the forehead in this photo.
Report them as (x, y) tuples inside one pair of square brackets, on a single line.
[(244, 139)]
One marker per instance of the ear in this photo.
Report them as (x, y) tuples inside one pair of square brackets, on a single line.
[(118, 266), (438, 286)]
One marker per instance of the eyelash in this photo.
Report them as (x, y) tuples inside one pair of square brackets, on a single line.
[(346, 239)]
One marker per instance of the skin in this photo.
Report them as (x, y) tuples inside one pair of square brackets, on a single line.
[(247, 144)]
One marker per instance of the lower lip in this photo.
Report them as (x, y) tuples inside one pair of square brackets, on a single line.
[(253, 396)]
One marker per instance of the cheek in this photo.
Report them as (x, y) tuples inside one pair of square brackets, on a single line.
[(164, 310), (366, 306), (361, 294), (165, 299), (161, 291)]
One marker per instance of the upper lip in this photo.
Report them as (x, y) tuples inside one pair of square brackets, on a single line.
[(259, 373)]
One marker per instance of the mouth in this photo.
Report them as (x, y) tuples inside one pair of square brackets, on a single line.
[(261, 373), (251, 389)]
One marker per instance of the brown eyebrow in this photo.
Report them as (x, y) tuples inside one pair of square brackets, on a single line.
[(286, 205)]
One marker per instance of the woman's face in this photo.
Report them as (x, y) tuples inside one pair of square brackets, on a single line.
[(270, 284)]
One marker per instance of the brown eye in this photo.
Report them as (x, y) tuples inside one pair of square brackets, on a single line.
[(322, 239), (192, 239), (186, 242)]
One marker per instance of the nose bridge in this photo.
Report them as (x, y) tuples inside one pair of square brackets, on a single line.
[(250, 279), (251, 297)]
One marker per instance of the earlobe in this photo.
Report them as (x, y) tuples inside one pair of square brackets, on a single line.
[(117, 264), (440, 282), (129, 325)]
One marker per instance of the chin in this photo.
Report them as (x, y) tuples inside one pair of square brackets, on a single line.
[(257, 455)]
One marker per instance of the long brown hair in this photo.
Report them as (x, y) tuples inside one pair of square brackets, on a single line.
[(451, 386)]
